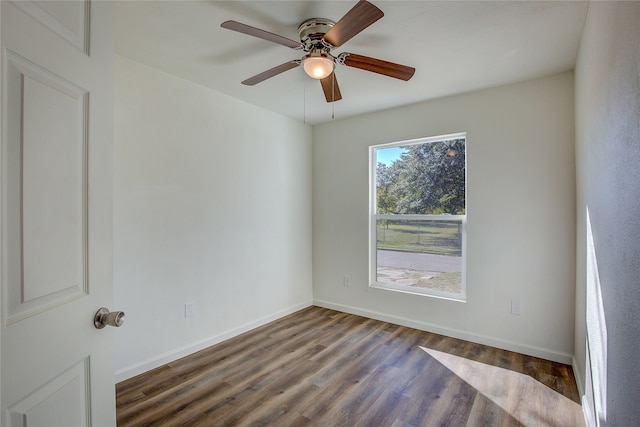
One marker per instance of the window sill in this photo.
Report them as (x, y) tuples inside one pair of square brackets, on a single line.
[(413, 291)]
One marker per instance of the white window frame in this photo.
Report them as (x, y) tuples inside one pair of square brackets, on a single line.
[(374, 217)]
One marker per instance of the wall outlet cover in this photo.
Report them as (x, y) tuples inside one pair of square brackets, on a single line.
[(515, 307), (189, 310)]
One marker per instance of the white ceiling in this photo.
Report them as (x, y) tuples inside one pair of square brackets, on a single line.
[(455, 46)]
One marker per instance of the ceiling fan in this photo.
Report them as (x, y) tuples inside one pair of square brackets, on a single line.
[(318, 37)]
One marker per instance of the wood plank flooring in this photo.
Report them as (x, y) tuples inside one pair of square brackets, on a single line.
[(320, 367)]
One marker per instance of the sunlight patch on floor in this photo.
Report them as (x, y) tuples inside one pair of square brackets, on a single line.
[(525, 399)]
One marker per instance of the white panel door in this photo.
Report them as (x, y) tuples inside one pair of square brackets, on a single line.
[(56, 216)]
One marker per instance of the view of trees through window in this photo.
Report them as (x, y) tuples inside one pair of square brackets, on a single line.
[(420, 215), (426, 179)]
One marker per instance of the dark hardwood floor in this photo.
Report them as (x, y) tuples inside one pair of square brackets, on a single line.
[(320, 367)]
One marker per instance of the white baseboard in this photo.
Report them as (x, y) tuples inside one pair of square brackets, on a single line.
[(454, 333), (170, 356), (576, 372), (586, 410)]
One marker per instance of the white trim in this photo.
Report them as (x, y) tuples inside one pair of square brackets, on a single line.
[(431, 293), (411, 217), (450, 332), (423, 140), (586, 410), (575, 367), (175, 354)]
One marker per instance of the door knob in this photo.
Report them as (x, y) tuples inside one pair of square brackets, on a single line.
[(104, 317)]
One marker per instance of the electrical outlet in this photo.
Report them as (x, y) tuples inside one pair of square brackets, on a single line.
[(189, 310), (515, 307), (346, 281)]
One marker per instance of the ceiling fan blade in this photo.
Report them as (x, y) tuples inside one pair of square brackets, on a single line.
[(330, 88), (357, 19), (379, 66), (261, 34), (272, 72)]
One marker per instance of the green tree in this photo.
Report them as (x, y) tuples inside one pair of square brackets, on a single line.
[(428, 178), (385, 199)]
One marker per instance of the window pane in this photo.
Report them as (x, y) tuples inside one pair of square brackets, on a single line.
[(426, 178), (420, 254)]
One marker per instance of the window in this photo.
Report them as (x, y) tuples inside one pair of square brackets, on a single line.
[(418, 216)]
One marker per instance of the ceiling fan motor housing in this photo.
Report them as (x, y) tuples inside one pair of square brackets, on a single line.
[(312, 31)]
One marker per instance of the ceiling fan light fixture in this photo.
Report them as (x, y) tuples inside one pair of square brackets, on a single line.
[(318, 66)]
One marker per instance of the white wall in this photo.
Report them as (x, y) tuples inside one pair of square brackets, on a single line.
[(521, 215), (212, 206), (607, 161)]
